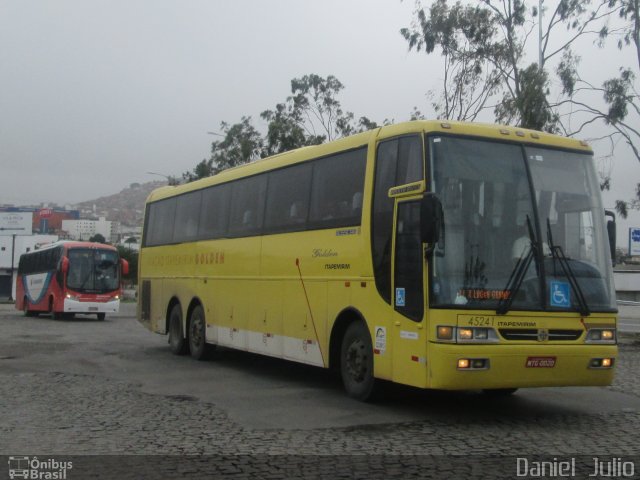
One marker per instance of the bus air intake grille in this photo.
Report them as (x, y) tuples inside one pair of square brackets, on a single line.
[(533, 335)]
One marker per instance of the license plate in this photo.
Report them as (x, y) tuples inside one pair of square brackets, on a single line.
[(541, 362), (93, 309)]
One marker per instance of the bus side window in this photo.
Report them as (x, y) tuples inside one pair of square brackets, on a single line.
[(187, 218), (214, 214), (288, 198), (335, 181), (247, 206)]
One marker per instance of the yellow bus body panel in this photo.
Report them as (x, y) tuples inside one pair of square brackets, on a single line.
[(282, 294)]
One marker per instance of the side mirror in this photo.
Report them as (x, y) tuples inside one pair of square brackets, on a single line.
[(64, 267), (125, 266), (431, 219), (611, 231)]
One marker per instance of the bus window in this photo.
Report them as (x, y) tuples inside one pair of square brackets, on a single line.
[(187, 216), (160, 222), (288, 199), (247, 206), (338, 183), (214, 214)]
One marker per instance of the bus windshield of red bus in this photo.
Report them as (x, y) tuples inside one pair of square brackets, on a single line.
[(93, 271)]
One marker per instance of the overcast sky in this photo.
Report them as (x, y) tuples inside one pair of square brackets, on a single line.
[(94, 94)]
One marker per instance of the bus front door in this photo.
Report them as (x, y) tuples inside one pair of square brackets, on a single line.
[(409, 333)]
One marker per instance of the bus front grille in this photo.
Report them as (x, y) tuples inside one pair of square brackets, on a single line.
[(535, 335)]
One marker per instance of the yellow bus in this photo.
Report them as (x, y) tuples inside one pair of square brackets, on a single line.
[(435, 254)]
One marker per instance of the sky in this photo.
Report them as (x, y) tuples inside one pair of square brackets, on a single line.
[(94, 94)]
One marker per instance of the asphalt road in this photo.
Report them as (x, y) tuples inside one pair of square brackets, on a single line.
[(86, 387)]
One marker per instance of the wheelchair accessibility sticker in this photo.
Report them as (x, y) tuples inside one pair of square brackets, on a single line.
[(400, 297), (560, 295)]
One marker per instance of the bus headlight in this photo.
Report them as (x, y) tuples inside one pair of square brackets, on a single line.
[(601, 335), (477, 335), (446, 333), (465, 333), (72, 297)]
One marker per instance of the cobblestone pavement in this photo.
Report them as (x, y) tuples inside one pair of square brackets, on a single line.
[(67, 392)]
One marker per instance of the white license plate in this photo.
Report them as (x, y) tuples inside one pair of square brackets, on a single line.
[(541, 362)]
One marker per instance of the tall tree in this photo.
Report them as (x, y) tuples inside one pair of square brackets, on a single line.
[(485, 44), (311, 115), (242, 143)]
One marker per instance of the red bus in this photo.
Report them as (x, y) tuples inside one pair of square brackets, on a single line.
[(66, 278)]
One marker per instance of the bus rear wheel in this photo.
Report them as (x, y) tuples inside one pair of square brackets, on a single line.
[(177, 342), (499, 392), (25, 308), (356, 362), (102, 316), (54, 315), (198, 334)]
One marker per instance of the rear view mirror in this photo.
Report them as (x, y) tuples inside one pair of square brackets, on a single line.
[(431, 217), (65, 265), (125, 266), (611, 231)]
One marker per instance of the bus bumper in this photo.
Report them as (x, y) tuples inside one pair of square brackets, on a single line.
[(519, 366), (75, 306)]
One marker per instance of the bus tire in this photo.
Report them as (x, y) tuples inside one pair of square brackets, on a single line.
[(25, 308), (54, 315), (177, 342), (198, 334), (101, 316), (356, 362), (499, 392)]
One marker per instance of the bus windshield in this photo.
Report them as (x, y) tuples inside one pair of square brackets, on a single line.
[(496, 219), (93, 271)]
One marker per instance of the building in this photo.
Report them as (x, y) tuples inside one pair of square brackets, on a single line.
[(44, 220), (11, 247), (84, 229)]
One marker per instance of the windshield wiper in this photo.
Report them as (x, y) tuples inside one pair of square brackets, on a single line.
[(518, 272), (558, 254)]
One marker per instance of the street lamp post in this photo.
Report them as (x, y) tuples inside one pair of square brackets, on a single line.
[(170, 179)]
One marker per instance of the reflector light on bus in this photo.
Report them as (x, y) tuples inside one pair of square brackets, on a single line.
[(603, 363), (473, 364)]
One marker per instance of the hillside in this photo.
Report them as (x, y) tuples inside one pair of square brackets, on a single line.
[(126, 207)]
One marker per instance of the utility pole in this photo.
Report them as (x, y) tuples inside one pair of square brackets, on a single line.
[(540, 59)]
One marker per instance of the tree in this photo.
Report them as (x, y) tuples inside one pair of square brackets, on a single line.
[(284, 131), (242, 143), (98, 238), (484, 46), (311, 115)]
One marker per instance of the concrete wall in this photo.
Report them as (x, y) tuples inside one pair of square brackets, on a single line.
[(627, 284)]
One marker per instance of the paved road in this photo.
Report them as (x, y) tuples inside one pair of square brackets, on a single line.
[(85, 387), (629, 318)]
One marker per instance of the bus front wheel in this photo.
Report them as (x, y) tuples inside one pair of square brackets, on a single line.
[(198, 334), (356, 362), (177, 342), (101, 316)]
